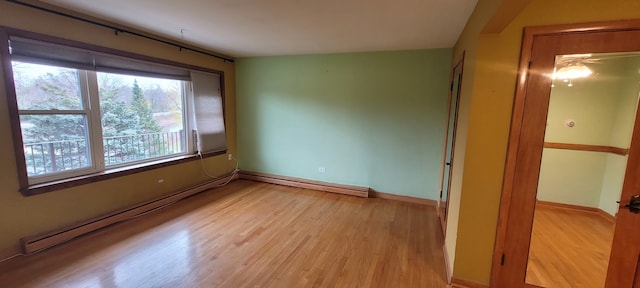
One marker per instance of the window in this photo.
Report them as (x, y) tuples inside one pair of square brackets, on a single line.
[(82, 111), (53, 118), (141, 118)]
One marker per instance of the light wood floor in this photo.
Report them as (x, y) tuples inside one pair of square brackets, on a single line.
[(250, 234), (569, 248)]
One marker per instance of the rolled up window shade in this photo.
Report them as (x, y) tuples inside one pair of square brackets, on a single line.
[(209, 116), (29, 50)]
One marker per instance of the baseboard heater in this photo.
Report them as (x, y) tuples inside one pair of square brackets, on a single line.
[(32, 244), (306, 184)]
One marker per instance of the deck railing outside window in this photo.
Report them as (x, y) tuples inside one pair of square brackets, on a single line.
[(55, 156)]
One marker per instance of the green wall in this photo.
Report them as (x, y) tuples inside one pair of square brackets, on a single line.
[(372, 119), (621, 136)]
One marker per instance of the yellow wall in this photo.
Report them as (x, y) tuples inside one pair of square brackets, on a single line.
[(22, 216), (490, 95), (467, 46)]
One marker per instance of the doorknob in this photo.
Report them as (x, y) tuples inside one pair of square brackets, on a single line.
[(634, 204)]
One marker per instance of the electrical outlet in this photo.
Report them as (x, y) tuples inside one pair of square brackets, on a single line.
[(230, 157), (322, 169)]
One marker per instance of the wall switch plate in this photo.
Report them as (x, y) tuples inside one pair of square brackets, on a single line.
[(230, 157), (322, 169)]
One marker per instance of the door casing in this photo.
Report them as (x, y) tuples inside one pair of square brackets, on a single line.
[(446, 177), (520, 114)]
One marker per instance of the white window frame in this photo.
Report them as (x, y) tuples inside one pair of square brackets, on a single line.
[(86, 111), (99, 137)]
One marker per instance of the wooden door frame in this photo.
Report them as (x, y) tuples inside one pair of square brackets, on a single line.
[(458, 66), (530, 33)]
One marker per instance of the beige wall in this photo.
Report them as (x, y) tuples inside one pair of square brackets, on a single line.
[(489, 94), (22, 216)]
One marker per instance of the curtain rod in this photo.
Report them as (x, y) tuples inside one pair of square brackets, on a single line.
[(119, 30)]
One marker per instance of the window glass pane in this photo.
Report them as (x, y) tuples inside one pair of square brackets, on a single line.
[(142, 117), (54, 143), (43, 87)]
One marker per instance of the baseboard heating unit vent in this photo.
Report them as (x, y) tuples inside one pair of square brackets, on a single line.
[(42, 241)]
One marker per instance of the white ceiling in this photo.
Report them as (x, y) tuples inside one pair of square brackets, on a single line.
[(242, 28)]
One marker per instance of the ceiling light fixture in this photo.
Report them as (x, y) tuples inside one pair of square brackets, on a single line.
[(572, 71)]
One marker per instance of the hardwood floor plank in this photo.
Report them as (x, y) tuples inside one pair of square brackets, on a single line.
[(250, 234), (569, 248)]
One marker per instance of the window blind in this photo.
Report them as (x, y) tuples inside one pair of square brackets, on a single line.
[(207, 97), (208, 107), (29, 50)]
